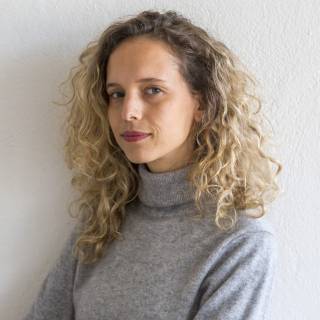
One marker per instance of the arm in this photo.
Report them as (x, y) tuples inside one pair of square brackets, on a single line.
[(239, 286), (55, 299)]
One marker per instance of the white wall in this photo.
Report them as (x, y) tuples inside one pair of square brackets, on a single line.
[(40, 41)]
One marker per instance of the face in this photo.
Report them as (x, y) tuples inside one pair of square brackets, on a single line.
[(148, 94)]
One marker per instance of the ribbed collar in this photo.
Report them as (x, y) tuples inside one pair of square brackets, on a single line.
[(166, 188)]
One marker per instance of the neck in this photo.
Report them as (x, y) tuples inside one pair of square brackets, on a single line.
[(165, 188)]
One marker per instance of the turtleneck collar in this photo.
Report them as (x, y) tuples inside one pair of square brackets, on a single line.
[(166, 188)]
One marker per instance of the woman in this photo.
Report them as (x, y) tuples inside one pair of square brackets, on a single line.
[(168, 217)]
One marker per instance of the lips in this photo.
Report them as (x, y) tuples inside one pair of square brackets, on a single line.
[(135, 134)]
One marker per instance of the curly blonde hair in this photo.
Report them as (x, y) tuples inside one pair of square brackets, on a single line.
[(229, 165)]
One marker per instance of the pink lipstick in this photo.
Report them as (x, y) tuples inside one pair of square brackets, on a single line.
[(135, 138), (132, 136)]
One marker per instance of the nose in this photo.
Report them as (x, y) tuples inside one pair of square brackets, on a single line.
[(131, 107)]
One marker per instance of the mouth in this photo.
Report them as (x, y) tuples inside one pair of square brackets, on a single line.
[(134, 133), (133, 138)]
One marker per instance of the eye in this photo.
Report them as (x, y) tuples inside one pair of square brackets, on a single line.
[(111, 95), (155, 89)]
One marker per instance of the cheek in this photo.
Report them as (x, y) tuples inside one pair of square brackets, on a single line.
[(172, 124), (111, 118), (162, 118)]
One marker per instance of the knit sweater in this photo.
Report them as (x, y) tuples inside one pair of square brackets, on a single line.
[(169, 265)]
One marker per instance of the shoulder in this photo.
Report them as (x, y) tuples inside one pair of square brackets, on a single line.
[(252, 238), (249, 236), (249, 227), (66, 254), (249, 224), (244, 226), (258, 231)]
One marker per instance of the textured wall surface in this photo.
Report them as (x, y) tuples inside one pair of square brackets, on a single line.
[(40, 40)]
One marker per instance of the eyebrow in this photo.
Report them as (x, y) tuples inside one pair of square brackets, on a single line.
[(111, 84)]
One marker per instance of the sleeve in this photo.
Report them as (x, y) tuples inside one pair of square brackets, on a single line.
[(55, 297), (239, 286)]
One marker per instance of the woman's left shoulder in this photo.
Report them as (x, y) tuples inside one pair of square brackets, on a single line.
[(246, 224), (254, 234)]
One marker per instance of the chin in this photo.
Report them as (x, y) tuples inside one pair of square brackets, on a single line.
[(137, 159)]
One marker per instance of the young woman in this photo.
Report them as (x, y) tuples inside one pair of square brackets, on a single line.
[(168, 155)]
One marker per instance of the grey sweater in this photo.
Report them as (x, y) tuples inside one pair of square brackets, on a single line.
[(168, 266)]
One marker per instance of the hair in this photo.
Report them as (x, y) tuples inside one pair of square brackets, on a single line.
[(229, 164)]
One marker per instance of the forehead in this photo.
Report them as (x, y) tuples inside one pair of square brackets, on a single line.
[(142, 57)]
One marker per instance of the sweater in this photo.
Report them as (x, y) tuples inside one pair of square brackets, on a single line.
[(168, 265)]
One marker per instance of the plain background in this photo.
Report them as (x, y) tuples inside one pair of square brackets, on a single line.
[(41, 40)]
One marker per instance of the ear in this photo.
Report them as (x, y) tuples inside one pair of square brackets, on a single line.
[(198, 113)]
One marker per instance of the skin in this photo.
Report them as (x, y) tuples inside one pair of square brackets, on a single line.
[(165, 109)]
